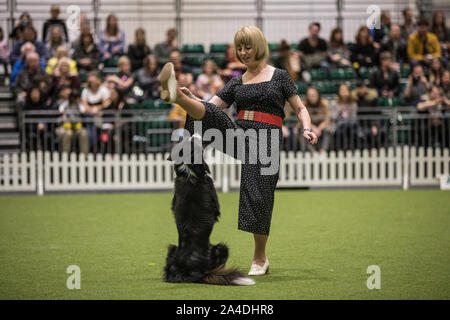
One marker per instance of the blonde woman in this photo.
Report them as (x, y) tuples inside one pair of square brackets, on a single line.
[(260, 92)]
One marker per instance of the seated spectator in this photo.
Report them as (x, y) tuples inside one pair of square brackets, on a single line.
[(26, 76), (112, 39), (29, 35), (63, 77), (94, 98), (208, 81), (146, 79), (409, 26), (20, 64), (231, 67), (87, 54), (417, 86), (385, 79), (288, 60), (423, 46), (55, 41), (396, 45), (364, 96), (123, 79), (61, 52), (71, 111), (345, 110), (75, 34), (4, 52), (24, 21), (319, 110), (434, 104), (163, 49), (313, 50), (436, 71), (363, 53), (35, 101), (180, 67), (445, 84), (385, 25), (138, 50), (338, 52), (117, 103), (441, 31), (54, 21)]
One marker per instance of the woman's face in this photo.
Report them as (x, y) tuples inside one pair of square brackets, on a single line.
[(56, 34), (344, 93), (140, 37), (436, 64), (35, 95), (64, 68), (246, 54), (209, 68), (446, 78), (112, 22), (439, 18), (86, 40), (435, 93), (125, 67), (338, 36), (93, 82), (312, 96)]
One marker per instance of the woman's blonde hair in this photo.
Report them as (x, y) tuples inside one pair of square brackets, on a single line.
[(253, 37), (122, 60)]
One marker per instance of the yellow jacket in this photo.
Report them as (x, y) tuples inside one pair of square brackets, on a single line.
[(53, 62), (415, 47)]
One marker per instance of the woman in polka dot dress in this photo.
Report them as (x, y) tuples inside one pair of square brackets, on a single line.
[(260, 95)]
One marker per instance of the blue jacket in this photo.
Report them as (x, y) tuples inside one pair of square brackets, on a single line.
[(19, 65), (41, 49)]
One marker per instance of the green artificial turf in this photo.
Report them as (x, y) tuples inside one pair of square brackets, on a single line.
[(320, 246)]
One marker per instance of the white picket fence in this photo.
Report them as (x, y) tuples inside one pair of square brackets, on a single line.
[(49, 172)]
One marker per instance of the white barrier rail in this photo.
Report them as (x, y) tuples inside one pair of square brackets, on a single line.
[(393, 167)]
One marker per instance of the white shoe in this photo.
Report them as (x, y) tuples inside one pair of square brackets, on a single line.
[(168, 83), (244, 281), (257, 270)]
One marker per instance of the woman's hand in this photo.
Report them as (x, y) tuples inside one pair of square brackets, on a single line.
[(310, 137), (188, 92)]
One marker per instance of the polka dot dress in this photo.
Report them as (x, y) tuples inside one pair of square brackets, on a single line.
[(256, 190)]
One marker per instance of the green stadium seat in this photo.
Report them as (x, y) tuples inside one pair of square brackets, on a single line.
[(193, 48), (365, 72), (161, 105), (390, 102), (301, 87), (326, 87), (111, 62), (294, 46), (194, 60), (217, 47), (318, 74), (351, 45), (342, 74), (404, 71), (273, 46), (135, 106), (217, 57)]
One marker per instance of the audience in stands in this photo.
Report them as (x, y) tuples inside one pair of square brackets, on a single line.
[(409, 25), (287, 60), (313, 49), (423, 46), (71, 111), (344, 110), (163, 49), (364, 96), (364, 52), (180, 67), (29, 35), (4, 52), (25, 20), (112, 39), (208, 82), (417, 86), (385, 25), (63, 77), (439, 28), (231, 67), (320, 114), (75, 34), (396, 45), (338, 52), (436, 71), (55, 41), (20, 64), (445, 84), (138, 50), (384, 78), (124, 78), (53, 22), (61, 53), (146, 78), (27, 75), (87, 54)]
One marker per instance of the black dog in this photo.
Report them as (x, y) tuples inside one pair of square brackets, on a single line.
[(196, 209)]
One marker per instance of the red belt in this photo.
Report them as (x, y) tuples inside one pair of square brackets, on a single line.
[(260, 117)]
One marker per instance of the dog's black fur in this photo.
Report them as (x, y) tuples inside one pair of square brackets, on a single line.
[(196, 209)]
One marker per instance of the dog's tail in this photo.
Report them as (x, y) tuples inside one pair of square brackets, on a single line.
[(228, 277)]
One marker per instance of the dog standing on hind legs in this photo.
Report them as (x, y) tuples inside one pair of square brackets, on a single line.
[(196, 210)]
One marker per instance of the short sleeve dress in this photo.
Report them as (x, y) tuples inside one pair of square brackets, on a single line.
[(256, 197)]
